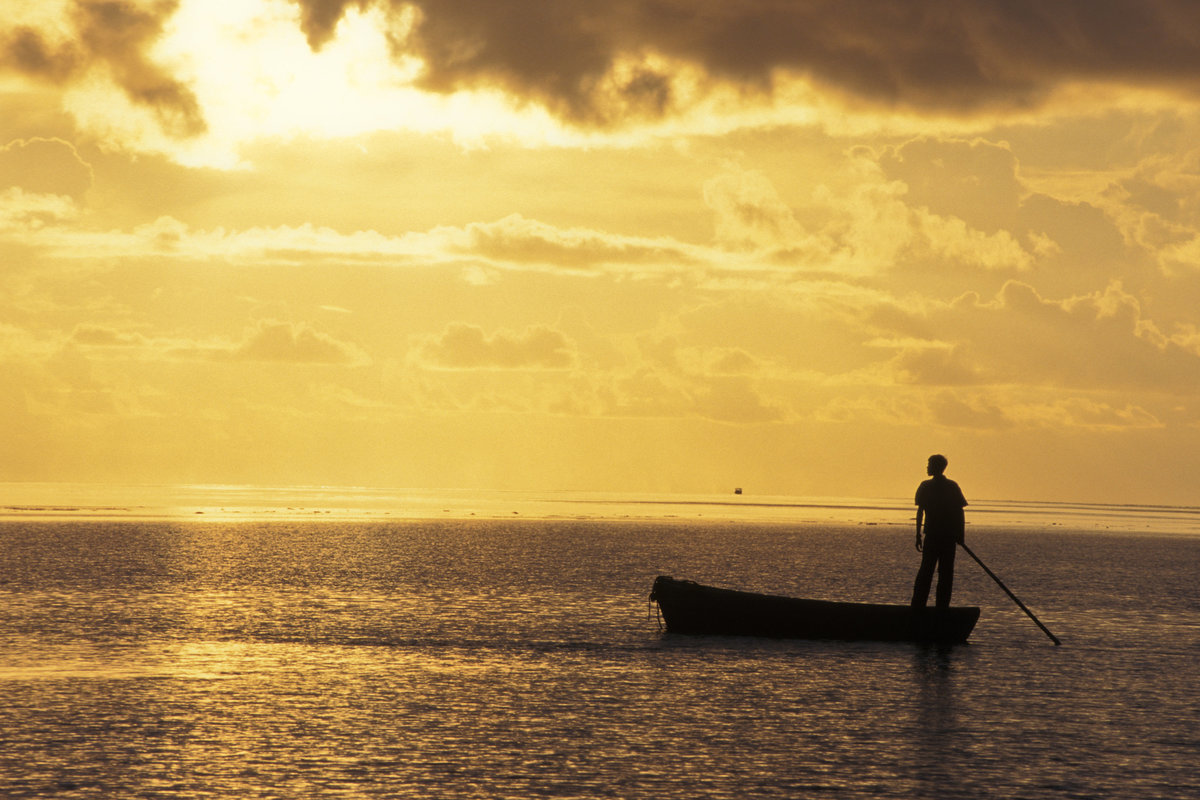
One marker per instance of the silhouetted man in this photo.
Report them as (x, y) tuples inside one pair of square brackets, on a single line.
[(940, 506)]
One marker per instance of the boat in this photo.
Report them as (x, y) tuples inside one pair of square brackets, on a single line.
[(692, 608)]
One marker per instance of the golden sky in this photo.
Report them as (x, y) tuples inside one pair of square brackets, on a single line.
[(659, 245)]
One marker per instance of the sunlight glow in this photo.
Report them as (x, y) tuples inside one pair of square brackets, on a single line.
[(256, 78)]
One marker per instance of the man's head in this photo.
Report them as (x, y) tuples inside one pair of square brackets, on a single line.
[(937, 465)]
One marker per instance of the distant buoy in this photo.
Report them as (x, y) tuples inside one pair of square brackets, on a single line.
[(737, 490)]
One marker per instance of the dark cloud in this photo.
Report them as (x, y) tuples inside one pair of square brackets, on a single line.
[(592, 61), (25, 50), (319, 18), (116, 35), (955, 55)]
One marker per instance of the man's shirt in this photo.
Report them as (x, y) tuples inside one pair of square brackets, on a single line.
[(943, 502)]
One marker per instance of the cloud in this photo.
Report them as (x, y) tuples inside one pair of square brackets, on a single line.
[(44, 166), (513, 242), (974, 207), (953, 410), (519, 240), (22, 213), (975, 181), (267, 341), (272, 340), (677, 375), (1159, 207), (115, 36), (92, 335), (1081, 412), (1077, 235), (665, 394), (734, 399), (955, 57), (167, 236), (731, 361), (992, 411), (1097, 341), (462, 346), (749, 210), (951, 239), (319, 18), (933, 364), (28, 51), (870, 228), (1181, 258)]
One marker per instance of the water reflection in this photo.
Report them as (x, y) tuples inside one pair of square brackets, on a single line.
[(940, 746), (516, 660)]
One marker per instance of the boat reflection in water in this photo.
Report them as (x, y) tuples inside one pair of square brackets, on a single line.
[(691, 608)]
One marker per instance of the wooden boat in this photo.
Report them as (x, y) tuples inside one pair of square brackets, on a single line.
[(691, 608)]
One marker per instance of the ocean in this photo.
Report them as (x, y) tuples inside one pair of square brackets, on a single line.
[(227, 643)]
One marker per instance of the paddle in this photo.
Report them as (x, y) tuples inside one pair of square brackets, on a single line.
[(1008, 591)]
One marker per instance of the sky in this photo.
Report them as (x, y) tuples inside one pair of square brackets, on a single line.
[(793, 246)]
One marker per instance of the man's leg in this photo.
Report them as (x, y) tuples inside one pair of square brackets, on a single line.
[(924, 575), (946, 553)]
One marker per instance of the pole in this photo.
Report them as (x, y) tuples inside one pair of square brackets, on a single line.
[(1008, 591)]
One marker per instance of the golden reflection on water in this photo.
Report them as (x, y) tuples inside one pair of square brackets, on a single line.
[(465, 660)]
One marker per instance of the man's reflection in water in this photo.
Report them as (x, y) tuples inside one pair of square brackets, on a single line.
[(941, 748)]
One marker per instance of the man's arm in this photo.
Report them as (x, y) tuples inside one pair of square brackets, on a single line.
[(920, 519)]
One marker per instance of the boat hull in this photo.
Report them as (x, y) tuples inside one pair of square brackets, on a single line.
[(694, 609)]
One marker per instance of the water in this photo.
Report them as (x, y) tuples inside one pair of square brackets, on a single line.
[(494, 657)]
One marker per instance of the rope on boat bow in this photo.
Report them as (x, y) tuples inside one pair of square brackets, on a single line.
[(657, 613), (651, 602)]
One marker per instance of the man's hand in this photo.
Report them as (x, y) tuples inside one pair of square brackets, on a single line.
[(918, 541)]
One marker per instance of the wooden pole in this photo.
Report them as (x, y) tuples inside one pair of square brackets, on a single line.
[(1008, 591)]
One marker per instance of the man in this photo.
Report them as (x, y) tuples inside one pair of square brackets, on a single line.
[(940, 506)]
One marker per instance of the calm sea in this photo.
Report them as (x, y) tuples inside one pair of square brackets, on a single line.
[(455, 647)]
